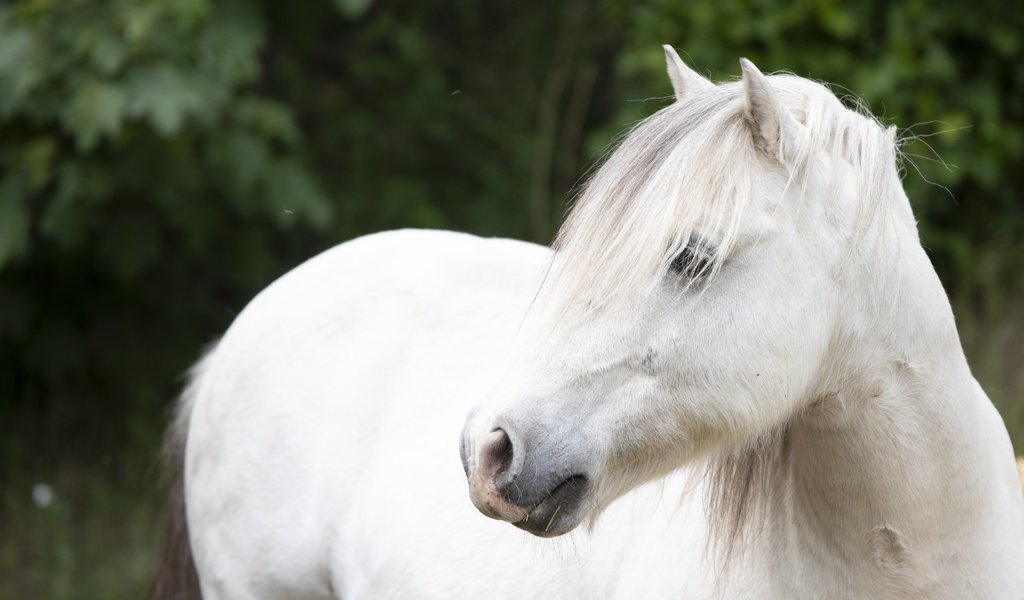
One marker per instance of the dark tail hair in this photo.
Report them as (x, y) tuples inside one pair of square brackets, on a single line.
[(176, 577)]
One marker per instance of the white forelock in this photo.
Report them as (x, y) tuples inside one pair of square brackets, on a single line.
[(691, 169)]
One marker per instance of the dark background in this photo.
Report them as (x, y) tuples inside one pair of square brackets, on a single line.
[(162, 161)]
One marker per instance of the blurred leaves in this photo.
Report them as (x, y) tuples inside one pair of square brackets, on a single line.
[(353, 8), (94, 109), (14, 219), (141, 87), (145, 177), (164, 97)]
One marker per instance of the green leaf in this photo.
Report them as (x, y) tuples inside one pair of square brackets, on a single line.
[(108, 54), (163, 96), (190, 11), (353, 9), (138, 20), (229, 46), (96, 108), (18, 74)]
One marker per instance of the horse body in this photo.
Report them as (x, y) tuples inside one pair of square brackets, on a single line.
[(352, 415), (737, 375)]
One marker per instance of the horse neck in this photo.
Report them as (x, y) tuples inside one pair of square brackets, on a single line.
[(901, 457)]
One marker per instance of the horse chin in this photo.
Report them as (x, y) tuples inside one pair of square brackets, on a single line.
[(560, 512)]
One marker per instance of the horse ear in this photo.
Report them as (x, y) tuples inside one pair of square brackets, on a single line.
[(685, 81), (773, 127)]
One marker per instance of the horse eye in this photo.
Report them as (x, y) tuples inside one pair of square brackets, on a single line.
[(691, 262)]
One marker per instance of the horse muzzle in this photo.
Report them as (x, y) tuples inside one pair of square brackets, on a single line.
[(531, 490)]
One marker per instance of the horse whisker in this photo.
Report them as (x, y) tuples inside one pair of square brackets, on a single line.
[(552, 519)]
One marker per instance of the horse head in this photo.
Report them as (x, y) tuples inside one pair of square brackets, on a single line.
[(694, 299)]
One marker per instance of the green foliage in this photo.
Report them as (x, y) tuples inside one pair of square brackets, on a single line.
[(163, 160), (105, 103), (148, 185), (134, 135), (353, 8)]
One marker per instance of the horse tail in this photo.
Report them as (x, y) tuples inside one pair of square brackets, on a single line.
[(176, 577)]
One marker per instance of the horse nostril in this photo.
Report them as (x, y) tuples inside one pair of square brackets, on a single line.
[(495, 454)]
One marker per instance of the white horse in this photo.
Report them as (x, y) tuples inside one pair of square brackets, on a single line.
[(737, 370)]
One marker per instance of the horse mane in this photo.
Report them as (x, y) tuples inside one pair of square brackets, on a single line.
[(638, 209), (740, 485), (690, 170)]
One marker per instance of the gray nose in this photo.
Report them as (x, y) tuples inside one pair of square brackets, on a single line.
[(494, 460), (496, 457)]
